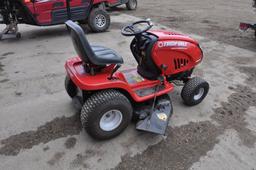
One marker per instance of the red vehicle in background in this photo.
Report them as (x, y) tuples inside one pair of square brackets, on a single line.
[(53, 12), (245, 26)]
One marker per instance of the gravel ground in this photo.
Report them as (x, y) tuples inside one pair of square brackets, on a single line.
[(39, 128), (217, 20)]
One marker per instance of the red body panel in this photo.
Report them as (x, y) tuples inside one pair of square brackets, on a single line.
[(43, 9), (100, 81), (30, 7), (178, 52)]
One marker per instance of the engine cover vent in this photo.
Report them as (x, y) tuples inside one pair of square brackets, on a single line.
[(180, 62)]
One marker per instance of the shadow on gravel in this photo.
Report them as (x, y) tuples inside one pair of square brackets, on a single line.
[(186, 144), (232, 113), (183, 146), (57, 128)]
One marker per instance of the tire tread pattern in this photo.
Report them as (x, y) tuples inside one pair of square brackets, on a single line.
[(95, 101), (91, 18), (190, 87)]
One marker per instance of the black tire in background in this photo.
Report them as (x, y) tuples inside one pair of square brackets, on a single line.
[(100, 103), (132, 4), (99, 20), (70, 87), (194, 91), (82, 22), (18, 35)]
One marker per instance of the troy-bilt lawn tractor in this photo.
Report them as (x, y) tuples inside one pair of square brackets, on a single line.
[(51, 12), (245, 26), (110, 98)]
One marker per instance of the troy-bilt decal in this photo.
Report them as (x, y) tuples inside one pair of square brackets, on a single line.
[(172, 44)]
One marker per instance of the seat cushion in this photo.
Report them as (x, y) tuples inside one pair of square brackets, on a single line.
[(105, 56)]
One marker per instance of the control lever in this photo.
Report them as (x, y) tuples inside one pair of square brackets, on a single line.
[(114, 70), (161, 79)]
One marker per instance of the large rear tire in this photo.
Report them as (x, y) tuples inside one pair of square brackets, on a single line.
[(194, 91), (99, 20), (106, 114), (132, 5)]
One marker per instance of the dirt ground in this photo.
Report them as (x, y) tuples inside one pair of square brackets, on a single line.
[(218, 20), (40, 128)]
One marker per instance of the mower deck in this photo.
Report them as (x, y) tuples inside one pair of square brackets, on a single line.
[(156, 120)]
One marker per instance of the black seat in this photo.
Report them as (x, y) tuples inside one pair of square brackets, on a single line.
[(105, 54), (96, 55)]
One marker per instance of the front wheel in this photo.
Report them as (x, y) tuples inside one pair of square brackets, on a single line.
[(194, 91), (131, 4), (99, 20), (106, 114)]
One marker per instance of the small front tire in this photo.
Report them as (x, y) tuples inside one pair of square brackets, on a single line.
[(194, 91), (106, 114)]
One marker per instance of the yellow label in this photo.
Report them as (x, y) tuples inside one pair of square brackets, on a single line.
[(162, 116)]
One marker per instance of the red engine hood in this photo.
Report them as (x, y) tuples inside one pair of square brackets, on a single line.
[(167, 35)]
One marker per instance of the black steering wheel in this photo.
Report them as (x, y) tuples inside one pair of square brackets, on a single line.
[(134, 29)]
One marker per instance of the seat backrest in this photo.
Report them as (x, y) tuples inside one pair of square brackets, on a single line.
[(80, 42)]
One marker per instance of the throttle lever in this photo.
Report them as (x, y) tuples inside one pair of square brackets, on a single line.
[(114, 70)]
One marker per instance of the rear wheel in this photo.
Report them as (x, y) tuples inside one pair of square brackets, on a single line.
[(131, 4), (106, 114), (70, 87), (99, 20), (194, 91)]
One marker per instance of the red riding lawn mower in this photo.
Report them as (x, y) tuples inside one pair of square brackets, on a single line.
[(53, 12), (245, 26), (109, 98)]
